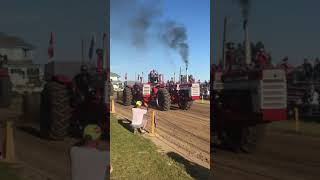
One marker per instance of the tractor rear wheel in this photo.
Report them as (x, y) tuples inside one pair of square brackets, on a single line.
[(251, 137), (127, 96), (163, 99), (185, 105), (57, 111)]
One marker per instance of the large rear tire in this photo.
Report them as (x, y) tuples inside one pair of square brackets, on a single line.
[(127, 96), (163, 99), (55, 119), (185, 105)]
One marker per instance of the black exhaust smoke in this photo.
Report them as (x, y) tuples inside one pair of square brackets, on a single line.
[(142, 16)]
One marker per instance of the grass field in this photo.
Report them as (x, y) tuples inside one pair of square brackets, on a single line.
[(305, 128), (135, 157), (6, 173)]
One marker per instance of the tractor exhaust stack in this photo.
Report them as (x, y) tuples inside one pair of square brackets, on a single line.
[(247, 42), (187, 78), (180, 78)]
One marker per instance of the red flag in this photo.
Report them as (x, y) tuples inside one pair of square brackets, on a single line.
[(50, 49)]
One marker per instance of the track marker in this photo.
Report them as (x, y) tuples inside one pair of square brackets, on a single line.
[(152, 124), (113, 109), (8, 145)]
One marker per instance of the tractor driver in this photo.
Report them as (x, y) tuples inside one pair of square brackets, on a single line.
[(82, 81)]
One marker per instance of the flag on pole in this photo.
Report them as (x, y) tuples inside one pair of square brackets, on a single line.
[(51, 49), (91, 49)]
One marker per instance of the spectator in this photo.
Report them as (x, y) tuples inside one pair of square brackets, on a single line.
[(261, 58), (308, 70), (87, 160), (316, 69), (314, 100), (138, 120), (284, 64)]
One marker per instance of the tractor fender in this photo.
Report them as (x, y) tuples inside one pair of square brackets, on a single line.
[(63, 79), (155, 90)]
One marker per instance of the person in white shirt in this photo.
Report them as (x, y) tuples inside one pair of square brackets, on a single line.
[(138, 120), (88, 162)]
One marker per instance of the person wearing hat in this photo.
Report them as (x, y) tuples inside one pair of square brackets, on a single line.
[(88, 161), (285, 65), (138, 120)]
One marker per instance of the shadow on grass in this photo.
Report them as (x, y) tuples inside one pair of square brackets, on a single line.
[(126, 124), (194, 170)]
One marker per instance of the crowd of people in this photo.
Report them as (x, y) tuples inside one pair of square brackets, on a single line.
[(235, 58)]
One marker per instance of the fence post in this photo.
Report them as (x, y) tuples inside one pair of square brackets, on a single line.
[(113, 109), (9, 151), (152, 124)]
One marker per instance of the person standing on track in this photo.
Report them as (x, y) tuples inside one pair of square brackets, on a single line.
[(88, 162), (138, 120)]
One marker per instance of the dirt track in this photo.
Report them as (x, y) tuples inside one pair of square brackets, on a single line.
[(187, 130), (282, 156), (39, 159)]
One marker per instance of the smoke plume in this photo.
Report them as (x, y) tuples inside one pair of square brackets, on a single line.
[(141, 21), (142, 16), (175, 37)]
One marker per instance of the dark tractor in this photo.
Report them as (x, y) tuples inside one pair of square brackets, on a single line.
[(69, 104)]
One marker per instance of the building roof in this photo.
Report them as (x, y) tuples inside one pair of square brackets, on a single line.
[(7, 41), (114, 75)]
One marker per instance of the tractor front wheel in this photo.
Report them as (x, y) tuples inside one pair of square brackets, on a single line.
[(127, 96), (163, 99), (185, 104), (56, 111)]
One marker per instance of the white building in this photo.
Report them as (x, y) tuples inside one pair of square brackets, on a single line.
[(15, 48), (116, 81), (114, 76), (17, 55)]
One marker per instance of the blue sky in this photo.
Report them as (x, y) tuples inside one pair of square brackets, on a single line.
[(195, 15), (287, 27), (69, 20)]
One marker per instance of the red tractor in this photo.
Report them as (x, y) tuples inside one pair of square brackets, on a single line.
[(161, 94), (70, 100), (244, 101), (184, 94)]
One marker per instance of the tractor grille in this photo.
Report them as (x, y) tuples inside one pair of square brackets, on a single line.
[(146, 89), (274, 94), (195, 90)]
